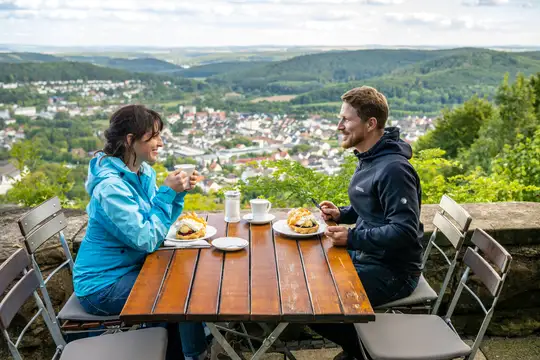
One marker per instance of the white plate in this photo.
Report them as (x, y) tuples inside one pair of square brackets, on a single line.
[(230, 243), (171, 235), (267, 218), (282, 228)]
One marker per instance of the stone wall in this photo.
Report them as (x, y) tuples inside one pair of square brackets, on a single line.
[(515, 225)]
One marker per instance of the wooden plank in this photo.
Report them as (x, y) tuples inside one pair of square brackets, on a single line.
[(295, 298), (354, 301), (171, 305), (265, 301), (324, 297), (234, 303), (141, 299), (203, 302)]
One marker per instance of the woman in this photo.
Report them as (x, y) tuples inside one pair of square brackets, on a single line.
[(128, 217)]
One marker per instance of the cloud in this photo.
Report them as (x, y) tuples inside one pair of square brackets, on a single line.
[(485, 2), (518, 3), (442, 22)]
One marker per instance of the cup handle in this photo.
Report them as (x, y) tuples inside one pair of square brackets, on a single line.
[(269, 207)]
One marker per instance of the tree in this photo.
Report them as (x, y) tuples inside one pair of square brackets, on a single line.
[(291, 185), (25, 156), (516, 115), (520, 162), (42, 184), (458, 128), (535, 84)]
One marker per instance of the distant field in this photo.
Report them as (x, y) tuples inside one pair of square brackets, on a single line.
[(101, 124), (331, 103), (274, 98)]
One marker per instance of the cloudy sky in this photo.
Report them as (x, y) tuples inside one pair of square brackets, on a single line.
[(270, 22)]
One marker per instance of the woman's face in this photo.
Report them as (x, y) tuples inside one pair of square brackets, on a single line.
[(146, 148)]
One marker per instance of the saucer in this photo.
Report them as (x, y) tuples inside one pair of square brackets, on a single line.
[(230, 243), (267, 218)]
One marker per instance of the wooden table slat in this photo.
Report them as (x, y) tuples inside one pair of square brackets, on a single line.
[(324, 298), (295, 297), (140, 302), (354, 301), (265, 301), (234, 304), (204, 299), (174, 295)]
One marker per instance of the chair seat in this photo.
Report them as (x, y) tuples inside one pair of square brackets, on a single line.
[(410, 337), (141, 344), (74, 311), (420, 295)]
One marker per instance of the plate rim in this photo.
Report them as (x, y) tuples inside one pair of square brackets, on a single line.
[(205, 237), (320, 232)]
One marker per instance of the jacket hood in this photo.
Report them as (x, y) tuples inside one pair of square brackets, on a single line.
[(104, 167), (389, 143)]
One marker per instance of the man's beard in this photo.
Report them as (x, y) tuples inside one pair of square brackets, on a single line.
[(349, 140)]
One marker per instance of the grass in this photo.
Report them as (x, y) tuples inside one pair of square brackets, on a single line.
[(101, 124), (275, 98), (329, 103)]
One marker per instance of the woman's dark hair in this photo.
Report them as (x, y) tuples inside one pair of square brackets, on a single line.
[(130, 119)]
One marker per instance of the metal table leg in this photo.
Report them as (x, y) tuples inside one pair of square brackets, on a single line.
[(269, 340), (266, 343), (278, 342), (222, 341)]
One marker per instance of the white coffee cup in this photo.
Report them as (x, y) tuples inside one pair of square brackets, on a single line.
[(188, 169), (259, 208)]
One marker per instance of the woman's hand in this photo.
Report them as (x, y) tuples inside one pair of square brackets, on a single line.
[(176, 180), (193, 180)]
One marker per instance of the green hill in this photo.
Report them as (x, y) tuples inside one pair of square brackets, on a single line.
[(23, 57), (142, 64), (147, 64), (449, 78), (330, 67), (54, 71), (204, 71)]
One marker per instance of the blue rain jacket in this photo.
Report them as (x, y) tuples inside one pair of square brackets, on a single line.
[(128, 217)]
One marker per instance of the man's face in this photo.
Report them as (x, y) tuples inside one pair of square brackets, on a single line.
[(350, 125)]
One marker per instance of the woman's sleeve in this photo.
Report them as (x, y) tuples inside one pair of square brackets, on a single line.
[(128, 223)]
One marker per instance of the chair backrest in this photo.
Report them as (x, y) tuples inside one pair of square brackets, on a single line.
[(492, 279), (38, 226), (16, 269), (450, 210)]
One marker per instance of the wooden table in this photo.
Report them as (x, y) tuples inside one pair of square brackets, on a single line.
[(277, 279)]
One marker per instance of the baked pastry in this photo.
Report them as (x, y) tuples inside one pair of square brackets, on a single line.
[(190, 226), (302, 221)]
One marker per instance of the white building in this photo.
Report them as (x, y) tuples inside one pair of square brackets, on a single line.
[(26, 111), (8, 176)]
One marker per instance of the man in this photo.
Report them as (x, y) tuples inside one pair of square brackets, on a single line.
[(385, 198)]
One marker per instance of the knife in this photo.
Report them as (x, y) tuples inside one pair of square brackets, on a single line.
[(316, 204)]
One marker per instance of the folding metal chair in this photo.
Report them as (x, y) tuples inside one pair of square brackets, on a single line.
[(38, 226), (423, 337), (133, 345), (423, 296)]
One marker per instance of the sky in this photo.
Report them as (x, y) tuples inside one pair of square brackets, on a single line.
[(178, 23)]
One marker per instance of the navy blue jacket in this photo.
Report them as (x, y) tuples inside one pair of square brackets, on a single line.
[(385, 196)]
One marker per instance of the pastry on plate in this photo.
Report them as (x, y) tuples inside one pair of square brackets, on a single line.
[(302, 221), (190, 226)]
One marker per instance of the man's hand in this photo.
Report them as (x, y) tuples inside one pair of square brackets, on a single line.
[(338, 235), (329, 211)]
